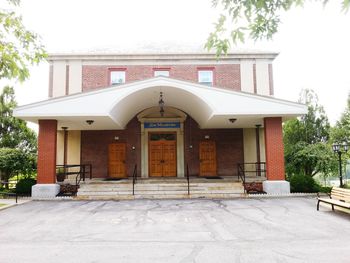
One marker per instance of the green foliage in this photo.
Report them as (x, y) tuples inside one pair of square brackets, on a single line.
[(303, 184), (307, 151), (258, 19), (19, 47), (341, 131), (325, 189), (13, 161), (24, 186), (14, 132)]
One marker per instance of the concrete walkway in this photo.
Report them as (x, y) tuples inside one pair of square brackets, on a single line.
[(240, 230)]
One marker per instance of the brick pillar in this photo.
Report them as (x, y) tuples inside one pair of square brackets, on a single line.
[(274, 148), (47, 143)]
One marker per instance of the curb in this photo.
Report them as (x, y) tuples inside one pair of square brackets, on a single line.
[(12, 205)]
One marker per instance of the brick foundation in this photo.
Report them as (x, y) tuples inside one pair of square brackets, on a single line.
[(274, 148), (47, 152)]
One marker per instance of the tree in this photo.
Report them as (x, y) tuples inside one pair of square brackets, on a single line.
[(259, 19), (341, 131), (307, 150), (14, 132), (19, 47), (14, 161)]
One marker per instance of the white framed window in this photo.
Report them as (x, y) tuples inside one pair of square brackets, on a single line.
[(117, 77), (163, 73), (205, 77)]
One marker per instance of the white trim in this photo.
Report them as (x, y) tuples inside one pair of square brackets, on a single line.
[(114, 107), (180, 149)]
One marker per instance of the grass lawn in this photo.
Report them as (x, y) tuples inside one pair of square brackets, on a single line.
[(2, 205)]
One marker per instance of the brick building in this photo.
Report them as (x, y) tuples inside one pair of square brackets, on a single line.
[(162, 113)]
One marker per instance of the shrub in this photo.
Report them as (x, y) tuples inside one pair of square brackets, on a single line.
[(325, 189), (303, 184), (24, 186)]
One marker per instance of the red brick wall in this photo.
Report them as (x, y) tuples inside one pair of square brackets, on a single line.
[(225, 76), (229, 147), (229, 143), (47, 152), (94, 148), (274, 148)]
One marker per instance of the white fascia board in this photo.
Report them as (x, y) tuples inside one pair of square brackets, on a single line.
[(198, 100)]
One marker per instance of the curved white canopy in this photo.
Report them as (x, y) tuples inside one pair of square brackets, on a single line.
[(114, 107)]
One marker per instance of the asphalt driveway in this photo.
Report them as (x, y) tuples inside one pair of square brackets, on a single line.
[(241, 230)]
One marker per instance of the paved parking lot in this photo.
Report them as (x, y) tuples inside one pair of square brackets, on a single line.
[(241, 230)]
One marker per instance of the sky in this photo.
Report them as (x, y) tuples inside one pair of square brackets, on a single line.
[(313, 42)]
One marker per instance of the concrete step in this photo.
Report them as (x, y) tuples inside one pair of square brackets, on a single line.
[(170, 196), (158, 189)]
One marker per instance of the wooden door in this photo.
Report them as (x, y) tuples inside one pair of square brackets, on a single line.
[(116, 160), (169, 158), (207, 158), (162, 155), (155, 158)]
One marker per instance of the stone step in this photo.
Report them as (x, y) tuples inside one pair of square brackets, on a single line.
[(160, 192), (172, 196), (158, 189)]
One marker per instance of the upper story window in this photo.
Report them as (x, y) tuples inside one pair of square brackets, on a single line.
[(117, 77), (205, 77), (161, 72)]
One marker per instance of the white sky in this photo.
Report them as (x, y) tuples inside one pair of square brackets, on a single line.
[(313, 41)]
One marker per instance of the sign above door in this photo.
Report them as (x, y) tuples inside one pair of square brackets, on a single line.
[(153, 125)]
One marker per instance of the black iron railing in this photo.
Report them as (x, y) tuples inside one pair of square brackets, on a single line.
[(241, 172), (188, 179), (134, 179), (12, 190), (257, 169), (12, 193), (251, 169), (81, 171)]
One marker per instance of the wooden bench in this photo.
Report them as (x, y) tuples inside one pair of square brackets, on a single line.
[(338, 197)]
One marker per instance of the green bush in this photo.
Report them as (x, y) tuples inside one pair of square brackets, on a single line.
[(24, 186), (325, 189), (303, 184)]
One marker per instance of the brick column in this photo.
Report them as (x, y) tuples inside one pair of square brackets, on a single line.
[(274, 148), (47, 143)]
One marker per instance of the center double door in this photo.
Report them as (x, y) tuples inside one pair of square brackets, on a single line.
[(162, 154)]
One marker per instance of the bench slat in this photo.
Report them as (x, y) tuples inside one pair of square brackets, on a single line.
[(339, 197)]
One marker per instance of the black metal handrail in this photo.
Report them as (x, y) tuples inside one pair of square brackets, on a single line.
[(188, 179), (241, 172), (80, 174), (257, 168), (82, 170), (134, 179)]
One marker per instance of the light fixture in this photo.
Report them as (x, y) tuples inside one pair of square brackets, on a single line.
[(116, 138), (340, 148), (207, 137), (161, 104), (89, 122), (232, 120), (133, 148)]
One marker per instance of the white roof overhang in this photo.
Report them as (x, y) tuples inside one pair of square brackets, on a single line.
[(114, 107)]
